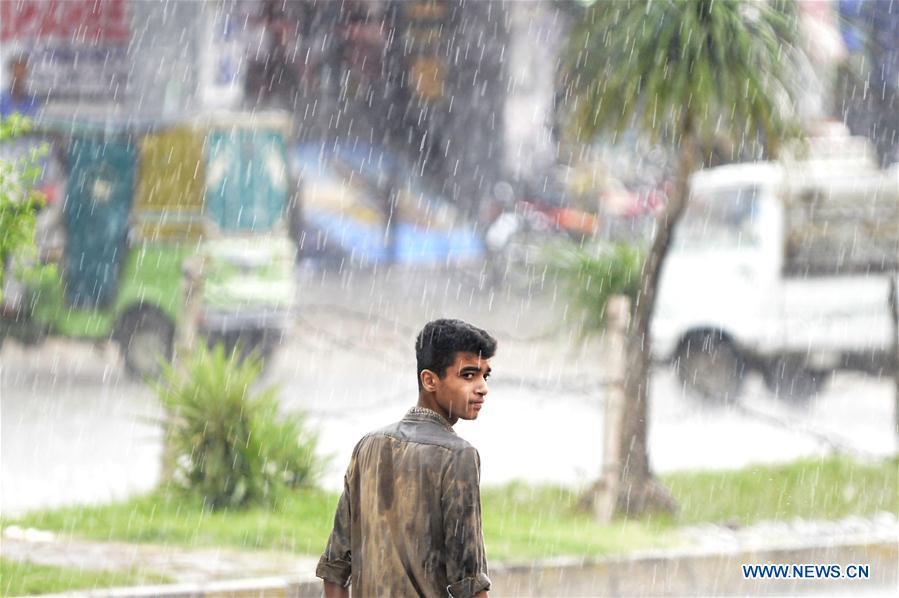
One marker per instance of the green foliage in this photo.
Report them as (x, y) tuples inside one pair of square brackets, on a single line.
[(825, 488), (524, 522), (300, 521), (19, 203), (592, 277), (228, 446), (26, 578), (711, 67)]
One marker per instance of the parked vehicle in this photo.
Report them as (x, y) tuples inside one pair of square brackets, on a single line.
[(783, 268), (144, 198)]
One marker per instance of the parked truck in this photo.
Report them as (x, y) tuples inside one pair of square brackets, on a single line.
[(783, 268)]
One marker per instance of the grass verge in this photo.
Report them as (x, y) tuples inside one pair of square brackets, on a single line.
[(520, 521), (19, 579), (829, 488)]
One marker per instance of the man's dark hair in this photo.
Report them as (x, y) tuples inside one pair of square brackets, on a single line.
[(439, 341)]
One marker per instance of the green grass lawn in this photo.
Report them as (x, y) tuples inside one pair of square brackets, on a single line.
[(523, 522), (18, 579), (520, 521), (828, 488)]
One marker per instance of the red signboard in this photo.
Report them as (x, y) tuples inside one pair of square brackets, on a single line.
[(74, 21)]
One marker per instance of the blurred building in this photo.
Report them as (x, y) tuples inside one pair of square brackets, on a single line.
[(850, 69), (153, 57), (537, 37), (868, 87), (423, 78), (76, 49)]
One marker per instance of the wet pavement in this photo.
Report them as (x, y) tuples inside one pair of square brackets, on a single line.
[(76, 430), (181, 565)]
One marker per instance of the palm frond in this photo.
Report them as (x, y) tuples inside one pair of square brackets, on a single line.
[(722, 66)]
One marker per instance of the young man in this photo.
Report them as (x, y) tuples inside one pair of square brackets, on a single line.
[(409, 520)]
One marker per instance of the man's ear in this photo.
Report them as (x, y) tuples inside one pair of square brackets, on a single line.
[(428, 380)]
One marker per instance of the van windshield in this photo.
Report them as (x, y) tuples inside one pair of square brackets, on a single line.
[(718, 219)]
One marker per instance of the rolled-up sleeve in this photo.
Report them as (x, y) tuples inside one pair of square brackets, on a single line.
[(335, 565), (466, 562)]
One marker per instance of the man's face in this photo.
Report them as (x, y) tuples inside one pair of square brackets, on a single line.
[(460, 393)]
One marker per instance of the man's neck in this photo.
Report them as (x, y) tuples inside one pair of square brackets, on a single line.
[(428, 402)]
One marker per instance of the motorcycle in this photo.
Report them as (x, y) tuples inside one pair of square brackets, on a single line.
[(521, 229)]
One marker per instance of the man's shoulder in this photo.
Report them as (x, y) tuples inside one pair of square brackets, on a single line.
[(420, 432)]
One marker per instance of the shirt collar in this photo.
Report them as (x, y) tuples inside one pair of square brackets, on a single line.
[(423, 413)]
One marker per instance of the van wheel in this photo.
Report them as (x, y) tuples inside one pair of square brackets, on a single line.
[(146, 336), (791, 379), (710, 367)]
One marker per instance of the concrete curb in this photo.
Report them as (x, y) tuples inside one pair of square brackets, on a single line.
[(703, 572), (256, 586), (661, 573)]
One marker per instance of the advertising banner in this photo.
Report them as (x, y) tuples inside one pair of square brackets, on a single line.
[(74, 48)]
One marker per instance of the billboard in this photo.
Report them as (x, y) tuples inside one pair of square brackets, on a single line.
[(75, 48)]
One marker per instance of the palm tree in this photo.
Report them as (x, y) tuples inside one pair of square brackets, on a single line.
[(690, 72)]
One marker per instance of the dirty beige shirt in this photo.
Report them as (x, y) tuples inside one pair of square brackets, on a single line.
[(409, 520)]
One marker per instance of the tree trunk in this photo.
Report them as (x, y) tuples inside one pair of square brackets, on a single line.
[(639, 491)]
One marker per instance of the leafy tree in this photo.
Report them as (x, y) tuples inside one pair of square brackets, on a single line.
[(689, 72), (19, 202)]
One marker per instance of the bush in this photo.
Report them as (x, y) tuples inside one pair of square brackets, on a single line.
[(591, 278), (19, 201), (225, 444)]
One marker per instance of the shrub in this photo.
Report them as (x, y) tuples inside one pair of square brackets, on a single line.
[(226, 444), (19, 201), (592, 277)]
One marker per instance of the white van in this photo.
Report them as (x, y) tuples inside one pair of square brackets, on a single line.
[(784, 268)]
